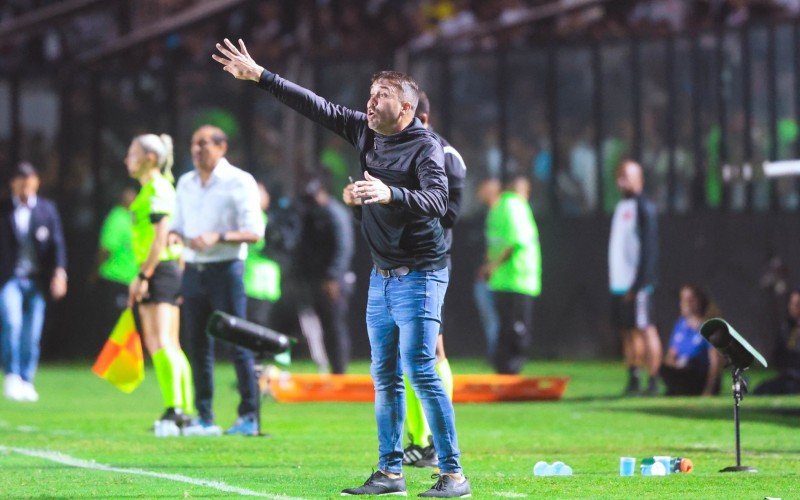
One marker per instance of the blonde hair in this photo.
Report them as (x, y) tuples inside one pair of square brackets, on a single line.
[(161, 146)]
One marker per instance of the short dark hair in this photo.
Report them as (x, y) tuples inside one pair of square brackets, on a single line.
[(405, 85), (424, 104)]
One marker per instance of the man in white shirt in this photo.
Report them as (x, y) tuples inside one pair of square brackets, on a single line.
[(633, 276), (217, 215)]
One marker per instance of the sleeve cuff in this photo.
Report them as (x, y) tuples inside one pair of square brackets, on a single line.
[(398, 195), (266, 79)]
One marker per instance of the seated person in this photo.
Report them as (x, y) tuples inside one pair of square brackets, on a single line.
[(691, 366), (786, 358)]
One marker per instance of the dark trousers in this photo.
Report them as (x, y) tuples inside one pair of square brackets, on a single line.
[(258, 311), (687, 381), (207, 288), (111, 298), (515, 311), (332, 313), (782, 384)]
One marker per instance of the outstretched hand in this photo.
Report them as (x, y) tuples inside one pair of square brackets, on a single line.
[(237, 61)]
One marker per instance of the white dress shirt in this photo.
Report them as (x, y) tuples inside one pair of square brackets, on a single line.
[(26, 261), (229, 201)]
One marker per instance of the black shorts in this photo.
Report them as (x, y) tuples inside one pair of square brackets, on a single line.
[(638, 313), (165, 284)]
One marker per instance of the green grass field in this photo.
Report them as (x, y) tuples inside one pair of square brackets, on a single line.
[(317, 449)]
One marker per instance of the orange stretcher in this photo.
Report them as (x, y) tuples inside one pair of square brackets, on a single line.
[(305, 387)]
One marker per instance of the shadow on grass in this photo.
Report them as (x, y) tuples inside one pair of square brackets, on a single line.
[(787, 417)]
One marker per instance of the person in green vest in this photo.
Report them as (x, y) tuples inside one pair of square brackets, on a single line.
[(155, 290), (513, 270), (262, 275), (116, 267)]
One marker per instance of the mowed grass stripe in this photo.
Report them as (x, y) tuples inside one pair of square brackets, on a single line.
[(70, 461)]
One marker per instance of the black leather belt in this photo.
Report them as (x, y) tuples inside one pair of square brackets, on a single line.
[(396, 272)]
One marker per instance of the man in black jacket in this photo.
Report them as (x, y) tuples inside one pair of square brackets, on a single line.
[(33, 261), (400, 202), (322, 268)]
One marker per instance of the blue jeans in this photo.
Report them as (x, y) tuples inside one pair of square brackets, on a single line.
[(22, 307), (207, 288), (488, 315), (403, 320)]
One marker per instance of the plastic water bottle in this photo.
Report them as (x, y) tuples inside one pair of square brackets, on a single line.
[(540, 468), (654, 469)]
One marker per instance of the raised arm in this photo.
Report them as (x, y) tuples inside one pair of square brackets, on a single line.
[(338, 119)]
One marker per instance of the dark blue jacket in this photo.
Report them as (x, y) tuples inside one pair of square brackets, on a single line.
[(48, 241), (406, 231)]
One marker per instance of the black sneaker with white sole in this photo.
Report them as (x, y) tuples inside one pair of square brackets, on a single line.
[(379, 484), (448, 487), (429, 458), (412, 454)]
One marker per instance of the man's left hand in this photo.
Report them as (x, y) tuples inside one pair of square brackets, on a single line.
[(237, 61), (372, 190), (204, 241)]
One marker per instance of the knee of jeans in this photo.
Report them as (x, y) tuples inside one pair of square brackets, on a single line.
[(421, 373), (384, 377)]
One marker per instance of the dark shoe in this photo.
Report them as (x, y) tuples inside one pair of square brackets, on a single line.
[(447, 487), (429, 458), (633, 388), (412, 454), (652, 388), (181, 419), (379, 484)]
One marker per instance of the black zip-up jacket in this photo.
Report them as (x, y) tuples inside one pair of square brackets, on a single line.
[(647, 229), (406, 231), (456, 172)]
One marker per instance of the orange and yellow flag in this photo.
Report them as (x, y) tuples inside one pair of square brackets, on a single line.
[(121, 361)]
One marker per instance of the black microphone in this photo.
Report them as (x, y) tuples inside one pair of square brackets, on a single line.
[(247, 334)]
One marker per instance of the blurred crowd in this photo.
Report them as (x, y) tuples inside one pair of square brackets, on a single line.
[(372, 27)]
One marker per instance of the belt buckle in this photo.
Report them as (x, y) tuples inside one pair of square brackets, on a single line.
[(397, 272)]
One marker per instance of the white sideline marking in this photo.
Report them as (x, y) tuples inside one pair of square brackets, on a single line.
[(61, 458)]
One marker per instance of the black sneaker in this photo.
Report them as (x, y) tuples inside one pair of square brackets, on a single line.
[(412, 454), (634, 388), (379, 484), (429, 458), (653, 388), (448, 487), (174, 415)]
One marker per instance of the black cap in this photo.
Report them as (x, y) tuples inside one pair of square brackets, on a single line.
[(24, 169)]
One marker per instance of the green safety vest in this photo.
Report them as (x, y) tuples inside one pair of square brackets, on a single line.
[(510, 223), (262, 276)]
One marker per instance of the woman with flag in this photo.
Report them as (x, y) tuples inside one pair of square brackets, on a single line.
[(156, 289)]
